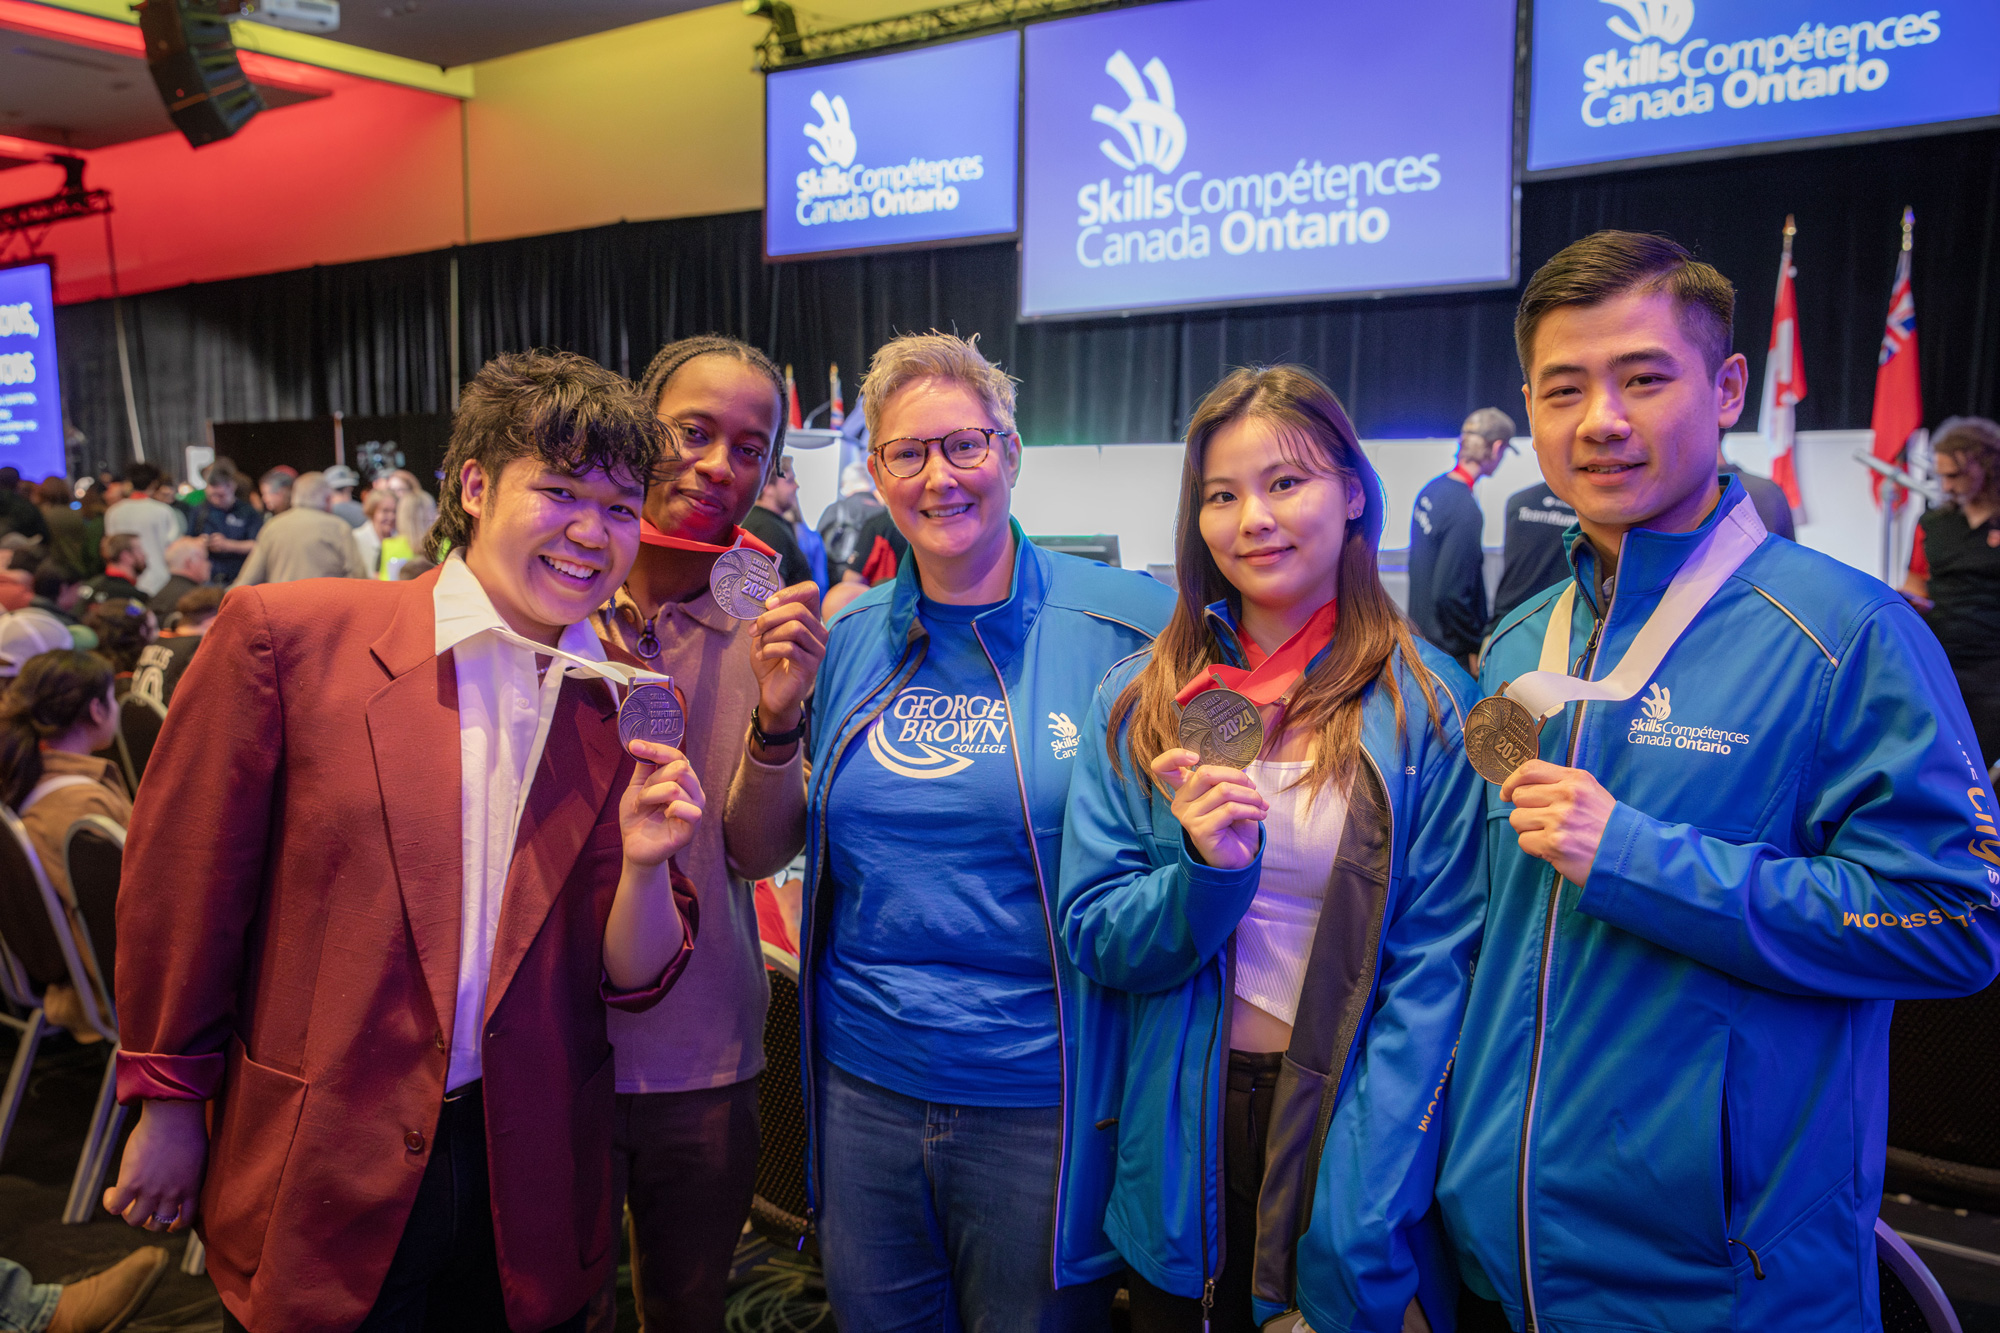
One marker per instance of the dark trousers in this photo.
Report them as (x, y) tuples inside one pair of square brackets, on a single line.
[(685, 1165), (446, 1276), (1246, 1122)]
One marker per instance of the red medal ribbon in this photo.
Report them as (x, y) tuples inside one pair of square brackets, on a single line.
[(1266, 678), (652, 536), (1465, 474)]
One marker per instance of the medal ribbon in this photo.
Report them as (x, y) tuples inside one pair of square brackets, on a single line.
[(1545, 692), (652, 536), (616, 674), (1266, 678)]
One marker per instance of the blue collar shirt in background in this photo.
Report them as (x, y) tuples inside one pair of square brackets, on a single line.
[(936, 981)]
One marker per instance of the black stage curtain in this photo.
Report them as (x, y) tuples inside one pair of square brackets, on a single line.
[(372, 338)]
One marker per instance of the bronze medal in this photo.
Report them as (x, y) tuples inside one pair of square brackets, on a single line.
[(1222, 727), (651, 712), (1500, 736)]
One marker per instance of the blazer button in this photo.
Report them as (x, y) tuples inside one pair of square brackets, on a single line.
[(439, 1040), (414, 1141)]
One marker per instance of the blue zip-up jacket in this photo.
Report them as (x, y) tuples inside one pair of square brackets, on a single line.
[(1064, 623), (1670, 1104), (1351, 1156)]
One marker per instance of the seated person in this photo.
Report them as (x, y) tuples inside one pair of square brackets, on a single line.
[(96, 1304), (188, 567), (54, 714), (161, 664), (123, 627), (124, 564)]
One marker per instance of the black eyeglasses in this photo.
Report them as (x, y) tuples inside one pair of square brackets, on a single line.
[(964, 449)]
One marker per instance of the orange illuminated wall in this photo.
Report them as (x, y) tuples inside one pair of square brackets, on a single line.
[(367, 170)]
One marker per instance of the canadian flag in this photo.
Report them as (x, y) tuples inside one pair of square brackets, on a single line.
[(1784, 376), (1899, 397)]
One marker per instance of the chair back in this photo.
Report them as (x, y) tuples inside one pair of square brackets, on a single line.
[(94, 853), (1912, 1301), (47, 948), (140, 718), (778, 1207), (1944, 1139)]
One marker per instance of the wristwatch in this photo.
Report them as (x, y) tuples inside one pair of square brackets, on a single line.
[(772, 740)]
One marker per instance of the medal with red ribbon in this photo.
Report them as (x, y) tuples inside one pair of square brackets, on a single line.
[(1219, 717)]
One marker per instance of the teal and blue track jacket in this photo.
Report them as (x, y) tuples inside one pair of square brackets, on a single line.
[(1346, 1229), (1063, 625), (1670, 1102)]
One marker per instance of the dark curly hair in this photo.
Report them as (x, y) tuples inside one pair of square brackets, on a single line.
[(51, 695), (565, 409), (123, 628)]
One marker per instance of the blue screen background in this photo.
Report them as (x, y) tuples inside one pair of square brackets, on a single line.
[(938, 104), (1262, 86), (31, 419), (1953, 76)]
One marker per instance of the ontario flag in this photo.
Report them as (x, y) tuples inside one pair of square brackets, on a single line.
[(1899, 399), (792, 418), (1784, 376), (836, 416)]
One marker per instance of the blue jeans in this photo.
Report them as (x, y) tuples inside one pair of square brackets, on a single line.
[(936, 1217), (25, 1307)]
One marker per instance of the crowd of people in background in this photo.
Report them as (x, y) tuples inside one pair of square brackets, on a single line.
[(1099, 1008)]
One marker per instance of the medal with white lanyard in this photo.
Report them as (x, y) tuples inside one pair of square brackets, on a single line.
[(1502, 731), (651, 708)]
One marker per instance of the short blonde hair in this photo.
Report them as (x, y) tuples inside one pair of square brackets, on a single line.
[(935, 356)]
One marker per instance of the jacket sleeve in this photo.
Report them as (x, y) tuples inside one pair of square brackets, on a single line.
[(1895, 893), (1458, 588), (252, 572), (1357, 1260), (357, 563), (1129, 922), (188, 896), (764, 813)]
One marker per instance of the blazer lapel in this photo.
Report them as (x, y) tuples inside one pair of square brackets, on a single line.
[(413, 732), (580, 762)]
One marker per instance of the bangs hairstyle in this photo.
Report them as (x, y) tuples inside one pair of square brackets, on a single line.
[(564, 409), (669, 359), (1319, 439), (935, 356), (1611, 263)]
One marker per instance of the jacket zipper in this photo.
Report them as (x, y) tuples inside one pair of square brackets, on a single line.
[(806, 918), (1524, 1250), (1055, 967), (1210, 1271)]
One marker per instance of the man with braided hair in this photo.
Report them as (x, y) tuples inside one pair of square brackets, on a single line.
[(685, 1149)]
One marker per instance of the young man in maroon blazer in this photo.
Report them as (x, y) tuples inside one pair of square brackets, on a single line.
[(388, 869)]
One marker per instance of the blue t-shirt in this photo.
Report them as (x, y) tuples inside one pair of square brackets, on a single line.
[(936, 981)]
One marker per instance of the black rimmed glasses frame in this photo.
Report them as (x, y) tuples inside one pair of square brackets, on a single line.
[(965, 449)]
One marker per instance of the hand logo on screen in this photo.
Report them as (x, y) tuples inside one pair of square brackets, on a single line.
[(1154, 133), (834, 135), (1667, 20)]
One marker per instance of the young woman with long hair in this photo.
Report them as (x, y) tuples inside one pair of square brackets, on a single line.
[(1278, 952), (53, 716)]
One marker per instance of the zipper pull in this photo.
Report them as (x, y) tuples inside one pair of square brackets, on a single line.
[(1756, 1264), (1207, 1302)]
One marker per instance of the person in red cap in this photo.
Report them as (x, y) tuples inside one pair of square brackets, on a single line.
[(685, 1149)]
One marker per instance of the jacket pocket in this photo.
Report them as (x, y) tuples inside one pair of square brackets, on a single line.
[(254, 1128), (591, 1116)]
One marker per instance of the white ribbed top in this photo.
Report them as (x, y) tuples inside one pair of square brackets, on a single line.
[(1274, 938)]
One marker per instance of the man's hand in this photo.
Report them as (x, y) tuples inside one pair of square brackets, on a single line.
[(787, 644), (159, 1181), (1560, 814), (1219, 807), (661, 805)]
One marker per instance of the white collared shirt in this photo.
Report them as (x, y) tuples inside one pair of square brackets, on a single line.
[(503, 723)]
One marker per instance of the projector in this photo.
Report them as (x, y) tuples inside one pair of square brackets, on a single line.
[(296, 15)]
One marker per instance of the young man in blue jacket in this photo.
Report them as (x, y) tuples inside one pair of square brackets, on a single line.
[(1670, 1102)]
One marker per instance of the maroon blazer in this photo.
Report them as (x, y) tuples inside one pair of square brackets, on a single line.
[(288, 944)]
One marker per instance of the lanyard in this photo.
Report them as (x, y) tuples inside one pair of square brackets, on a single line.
[(1546, 691), (652, 536), (1267, 678)]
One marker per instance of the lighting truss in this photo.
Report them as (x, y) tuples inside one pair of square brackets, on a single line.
[(785, 46)]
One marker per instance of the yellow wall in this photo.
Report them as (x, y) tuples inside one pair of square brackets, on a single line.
[(661, 119)]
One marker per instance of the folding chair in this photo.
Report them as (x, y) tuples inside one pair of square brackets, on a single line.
[(140, 718), (23, 927), (1912, 1301)]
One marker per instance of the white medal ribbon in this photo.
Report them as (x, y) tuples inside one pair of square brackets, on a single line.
[(618, 675), (1545, 692)]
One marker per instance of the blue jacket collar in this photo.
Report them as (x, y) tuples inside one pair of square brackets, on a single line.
[(1004, 628), (1648, 560)]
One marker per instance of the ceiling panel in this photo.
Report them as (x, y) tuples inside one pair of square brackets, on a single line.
[(459, 32)]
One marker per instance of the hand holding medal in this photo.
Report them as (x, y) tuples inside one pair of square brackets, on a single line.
[(664, 801)]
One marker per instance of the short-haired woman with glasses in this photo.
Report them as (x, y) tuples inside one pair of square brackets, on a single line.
[(939, 1011)]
